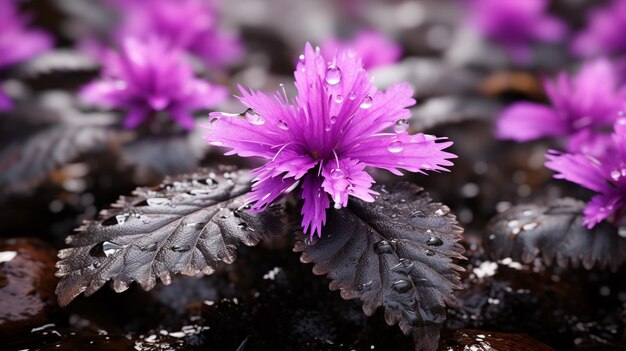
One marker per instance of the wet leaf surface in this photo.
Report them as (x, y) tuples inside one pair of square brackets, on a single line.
[(40, 138), (396, 252), (188, 225), (553, 230)]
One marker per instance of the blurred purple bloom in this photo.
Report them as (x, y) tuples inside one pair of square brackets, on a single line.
[(516, 24), (374, 48), (323, 140), (605, 174), (604, 34), (187, 24), (17, 41), (588, 101), (147, 77)]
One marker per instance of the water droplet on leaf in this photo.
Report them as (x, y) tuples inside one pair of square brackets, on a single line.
[(433, 241), (180, 248), (157, 201), (383, 247), (401, 285), (104, 249), (150, 247)]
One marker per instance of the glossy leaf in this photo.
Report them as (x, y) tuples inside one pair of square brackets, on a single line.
[(187, 225), (396, 252), (553, 231)]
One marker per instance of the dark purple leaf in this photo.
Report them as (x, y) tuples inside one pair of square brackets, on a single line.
[(553, 230), (396, 252), (40, 138), (187, 225)]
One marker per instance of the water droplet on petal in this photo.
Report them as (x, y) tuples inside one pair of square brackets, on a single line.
[(338, 98), (401, 126), (352, 95), (254, 117), (282, 125), (333, 75), (366, 103), (395, 146), (383, 247), (301, 57), (616, 174), (333, 119), (401, 285), (433, 241), (336, 173), (328, 126)]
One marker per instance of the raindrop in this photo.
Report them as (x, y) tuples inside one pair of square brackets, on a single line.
[(328, 127), (180, 248), (254, 117), (364, 287), (433, 241), (383, 247), (97, 264), (336, 173), (301, 57), (395, 146), (157, 201), (339, 98), (333, 75), (418, 214), (616, 174), (401, 285), (420, 281), (366, 103), (150, 247), (121, 218), (439, 212), (243, 226), (282, 125), (430, 253), (104, 249), (401, 126), (352, 95), (333, 119)]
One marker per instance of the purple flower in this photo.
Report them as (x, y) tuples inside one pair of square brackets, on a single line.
[(17, 41), (148, 77), (604, 34), (322, 141), (516, 24), (187, 24), (605, 174), (374, 48), (588, 101)]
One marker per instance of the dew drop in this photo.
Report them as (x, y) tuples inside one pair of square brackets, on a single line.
[(616, 174), (336, 173), (150, 247), (401, 285), (157, 201), (338, 98), (352, 95), (282, 125), (433, 241), (333, 119), (383, 247), (420, 281), (333, 75), (180, 248), (328, 127), (395, 146), (430, 253), (418, 214), (439, 212), (254, 117), (301, 57), (104, 249), (121, 218), (243, 226), (365, 286), (401, 126), (366, 103), (97, 264), (530, 226)]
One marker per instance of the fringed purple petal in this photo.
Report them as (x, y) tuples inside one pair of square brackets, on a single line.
[(316, 202), (525, 121), (5, 102), (347, 177), (578, 168), (601, 207)]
